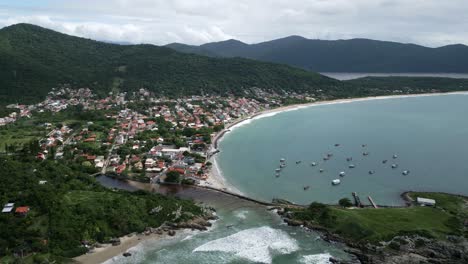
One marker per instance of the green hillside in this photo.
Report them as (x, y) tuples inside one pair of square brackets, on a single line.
[(34, 59)]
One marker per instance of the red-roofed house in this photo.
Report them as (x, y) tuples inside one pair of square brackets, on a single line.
[(120, 168), (23, 210)]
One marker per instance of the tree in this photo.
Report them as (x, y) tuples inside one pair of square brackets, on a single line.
[(173, 177), (345, 202)]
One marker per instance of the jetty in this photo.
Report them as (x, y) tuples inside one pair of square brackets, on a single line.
[(357, 201), (372, 202), (243, 197)]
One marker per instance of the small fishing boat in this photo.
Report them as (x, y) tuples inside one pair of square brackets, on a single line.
[(282, 160), (329, 155), (406, 172), (277, 175), (394, 166), (321, 170), (337, 145), (282, 165), (365, 153), (336, 182), (313, 164), (306, 188), (342, 173), (352, 166), (326, 158), (371, 172), (395, 156), (278, 170), (349, 159), (384, 161), (364, 145), (297, 162)]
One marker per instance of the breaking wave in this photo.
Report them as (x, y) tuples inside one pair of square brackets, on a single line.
[(255, 244), (316, 259)]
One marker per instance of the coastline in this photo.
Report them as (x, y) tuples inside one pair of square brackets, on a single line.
[(218, 181), (108, 251)]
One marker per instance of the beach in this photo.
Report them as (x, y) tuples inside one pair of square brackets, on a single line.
[(215, 177), (100, 255)]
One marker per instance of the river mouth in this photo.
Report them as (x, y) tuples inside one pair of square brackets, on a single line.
[(245, 233)]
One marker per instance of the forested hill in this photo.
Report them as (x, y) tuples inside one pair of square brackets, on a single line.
[(354, 55), (35, 59)]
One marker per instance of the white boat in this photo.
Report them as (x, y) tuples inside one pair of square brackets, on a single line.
[(351, 166), (342, 173), (336, 182), (278, 170), (282, 165), (394, 166), (282, 160), (406, 172), (395, 156), (314, 164)]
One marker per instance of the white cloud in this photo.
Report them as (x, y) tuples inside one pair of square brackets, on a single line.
[(427, 22)]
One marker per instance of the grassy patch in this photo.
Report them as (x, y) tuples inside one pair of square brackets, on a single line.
[(18, 134), (386, 223), (373, 225)]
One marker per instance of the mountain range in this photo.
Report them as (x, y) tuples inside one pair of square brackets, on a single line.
[(353, 55), (33, 60)]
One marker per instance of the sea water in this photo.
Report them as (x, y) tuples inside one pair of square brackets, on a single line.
[(428, 135), (244, 233)]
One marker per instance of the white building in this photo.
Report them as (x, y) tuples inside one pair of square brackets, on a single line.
[(425, 201)]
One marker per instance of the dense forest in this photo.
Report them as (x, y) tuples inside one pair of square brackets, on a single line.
[(354, 55), (35, 59), (71, 208)]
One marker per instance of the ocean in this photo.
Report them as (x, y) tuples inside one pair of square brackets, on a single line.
[(343, 76), (427, 134), (245, 233)]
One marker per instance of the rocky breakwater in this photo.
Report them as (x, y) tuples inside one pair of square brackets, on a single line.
[(201, 223)]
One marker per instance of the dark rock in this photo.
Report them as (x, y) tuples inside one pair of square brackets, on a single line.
[(127, 254), (171, 233), (293, 222)]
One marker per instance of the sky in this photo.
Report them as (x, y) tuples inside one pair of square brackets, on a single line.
[(430, 23)]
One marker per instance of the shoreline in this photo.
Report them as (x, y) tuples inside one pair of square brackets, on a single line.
[(218, 181), (108, 252)]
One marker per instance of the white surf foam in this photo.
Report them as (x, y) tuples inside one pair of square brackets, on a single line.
[(255, 244), (241, 214), (316, 259)]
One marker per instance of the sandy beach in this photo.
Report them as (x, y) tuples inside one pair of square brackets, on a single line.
[(100, 255), (215, 178)]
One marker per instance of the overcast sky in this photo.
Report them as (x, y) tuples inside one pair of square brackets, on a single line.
[(426, 22)]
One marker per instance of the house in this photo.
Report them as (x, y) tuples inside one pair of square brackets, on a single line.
[(22, 210), (8, 208), (149, 163), (425, 201), (41, 156), (120, 168)]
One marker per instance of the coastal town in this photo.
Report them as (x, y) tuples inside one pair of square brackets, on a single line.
[(138, 135)]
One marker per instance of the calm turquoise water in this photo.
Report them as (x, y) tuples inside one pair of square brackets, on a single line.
[(429, 134)]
